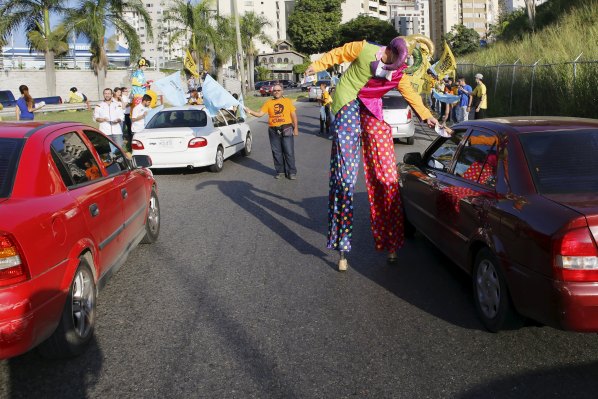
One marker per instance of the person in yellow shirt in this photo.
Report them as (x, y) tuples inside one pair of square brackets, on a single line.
[(282, 127), (326, 115), (480, 97)]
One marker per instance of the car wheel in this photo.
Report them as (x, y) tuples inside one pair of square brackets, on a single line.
[(219, 161), (410, 140), (248, 142), (152, 223), (491, 294), (77, 322)]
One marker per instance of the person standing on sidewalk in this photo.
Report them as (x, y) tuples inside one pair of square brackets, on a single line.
[(282, 127), (109, 115), (480, 98), (326, 102), (465, 100)]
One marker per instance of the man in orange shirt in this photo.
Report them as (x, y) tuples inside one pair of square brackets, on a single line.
[(282, 127)]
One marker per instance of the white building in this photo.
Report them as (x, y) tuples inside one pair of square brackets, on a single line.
[(275, 11), (158, 50), (410, 16), (373, 8), (512, 5)]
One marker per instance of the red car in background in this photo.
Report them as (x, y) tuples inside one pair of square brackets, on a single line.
[(514, 202), (72, 207), (266, 90)]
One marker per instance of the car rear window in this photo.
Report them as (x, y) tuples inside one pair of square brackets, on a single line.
[(394, 102), (178, 118), (563, 162), (10, 152)]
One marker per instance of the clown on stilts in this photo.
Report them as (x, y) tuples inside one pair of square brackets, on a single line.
[(139, 83), (357, 106)]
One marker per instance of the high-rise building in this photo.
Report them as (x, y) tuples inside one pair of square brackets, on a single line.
[(512, 5), (374, 8), (410, 16), (475, 14), (159, 50)]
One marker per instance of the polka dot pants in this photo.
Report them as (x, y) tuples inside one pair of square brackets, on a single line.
[(354, 124)]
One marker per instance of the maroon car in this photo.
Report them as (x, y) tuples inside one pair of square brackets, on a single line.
[(514, 202)]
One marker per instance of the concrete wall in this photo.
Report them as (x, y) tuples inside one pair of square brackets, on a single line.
[(85, 81)]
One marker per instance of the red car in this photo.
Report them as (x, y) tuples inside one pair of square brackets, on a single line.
[(514, 202), (72, 207), (266, 90)]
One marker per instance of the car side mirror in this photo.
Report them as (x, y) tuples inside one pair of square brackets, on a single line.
[(412, 158), (142, 161)]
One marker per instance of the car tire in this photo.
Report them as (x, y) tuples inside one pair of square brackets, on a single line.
[(152, 222), (491, 294), (248, 143), (77, 322), (218, 161), (410, 140)]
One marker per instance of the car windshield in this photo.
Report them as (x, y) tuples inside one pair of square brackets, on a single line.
[(563, 162), (178, 118), (10, 151), (389, 101)]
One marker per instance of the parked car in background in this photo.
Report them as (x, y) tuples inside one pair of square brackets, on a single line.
[(266, 90), (314, 92), (397, 113), (305, 86), (258, 85), (287, 84), (73, 207), (514, 202), (186, 137)]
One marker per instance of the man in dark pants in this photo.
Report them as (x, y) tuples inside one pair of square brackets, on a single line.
[(282, 127)]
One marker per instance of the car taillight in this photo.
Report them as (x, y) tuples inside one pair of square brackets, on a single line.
[(12, 264), (137, 145), (576, 256), (197, 142), (409, 115)]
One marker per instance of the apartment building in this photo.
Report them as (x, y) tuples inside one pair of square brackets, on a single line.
[(410, 16), (474, 14), (512, 5), (158, 50), (374, 8)]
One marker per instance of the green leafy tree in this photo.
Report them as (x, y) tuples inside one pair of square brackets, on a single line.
[(263, 73), (462, 40), (195, 22), (252, 26), (368, 28), (301, 68), (34, 16), (313, 25)]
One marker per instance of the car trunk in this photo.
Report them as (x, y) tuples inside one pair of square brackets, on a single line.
[(395, 116), (586, 204), (166, 140)]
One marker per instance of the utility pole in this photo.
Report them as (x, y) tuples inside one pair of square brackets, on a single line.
[(239, 46)]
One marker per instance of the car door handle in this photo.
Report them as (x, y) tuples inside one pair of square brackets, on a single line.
[(222, 134), (124, 193), (94, 210)]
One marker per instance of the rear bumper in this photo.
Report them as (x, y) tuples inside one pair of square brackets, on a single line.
[(402, 130), (578, 310), (196, 158)]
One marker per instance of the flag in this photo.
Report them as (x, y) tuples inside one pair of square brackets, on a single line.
[(242, 107), (150, 114), (446, 65), (172, 89), (446, 98), (189, 64), (216, 97)]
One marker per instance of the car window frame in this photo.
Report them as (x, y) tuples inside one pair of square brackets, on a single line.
[(91, 150), (219, 124), (499, 145), (437, 144), (224, 113), (128, 162)]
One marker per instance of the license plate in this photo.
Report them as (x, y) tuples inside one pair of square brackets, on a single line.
[(165, 143)]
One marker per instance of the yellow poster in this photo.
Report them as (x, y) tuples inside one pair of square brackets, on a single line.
[(446, 65), (189, 64)]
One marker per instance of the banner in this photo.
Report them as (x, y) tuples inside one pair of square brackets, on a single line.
[(446, 65), (242, 107), (172, 89), (216, 97), (189, 64), (446, 98)]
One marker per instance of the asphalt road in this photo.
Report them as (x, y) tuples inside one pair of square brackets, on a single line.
[(240, 298)]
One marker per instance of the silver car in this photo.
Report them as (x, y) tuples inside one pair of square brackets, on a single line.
[(398, 115)]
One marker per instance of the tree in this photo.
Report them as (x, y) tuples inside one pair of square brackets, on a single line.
[(91, 19), (263, 73), (252, 26), (225, 46), (313, 25), (462, 40), (195, 22), (368, 28), (34, 15)]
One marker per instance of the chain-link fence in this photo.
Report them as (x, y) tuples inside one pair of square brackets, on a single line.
[(564, 89)]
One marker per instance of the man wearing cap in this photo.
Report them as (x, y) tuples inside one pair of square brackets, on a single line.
[(357, 105), (480, 99)]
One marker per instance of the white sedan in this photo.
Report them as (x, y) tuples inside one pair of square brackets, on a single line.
[(187, 137), (397, 113)]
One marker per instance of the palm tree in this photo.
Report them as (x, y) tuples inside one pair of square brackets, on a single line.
[(193, 21), (252, 26), (92, 17), (225, 46), (34, 15)]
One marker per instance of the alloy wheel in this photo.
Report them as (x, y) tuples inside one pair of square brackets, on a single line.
[(488, 289), (83, 298)]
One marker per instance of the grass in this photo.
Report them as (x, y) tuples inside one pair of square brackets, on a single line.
[(255, 102), (556, 89)]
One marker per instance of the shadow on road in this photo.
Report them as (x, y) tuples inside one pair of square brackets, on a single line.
[(569, 381)]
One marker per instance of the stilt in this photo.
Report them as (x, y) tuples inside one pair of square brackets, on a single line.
[(342, 262), (392, 258)]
